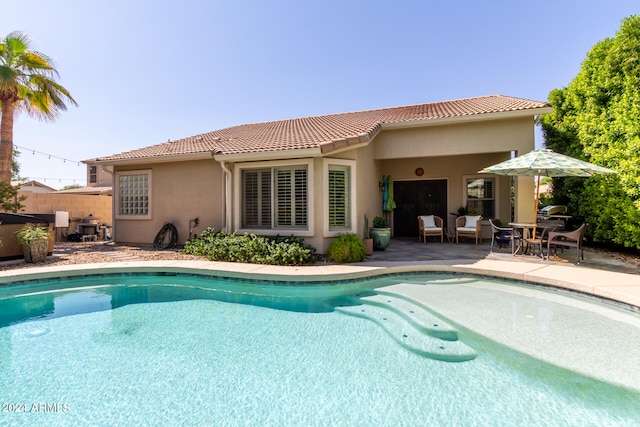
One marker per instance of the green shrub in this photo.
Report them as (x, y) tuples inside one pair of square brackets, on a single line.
[(32, 231), (346, 247), (249, 248), (380, 222)]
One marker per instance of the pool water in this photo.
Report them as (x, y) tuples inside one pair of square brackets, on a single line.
[(155, 350)]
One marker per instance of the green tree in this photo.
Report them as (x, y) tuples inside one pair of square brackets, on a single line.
[(597, 118), (27, 83), (71, 186), (9, 199)]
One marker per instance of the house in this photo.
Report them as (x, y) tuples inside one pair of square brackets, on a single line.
[(32, 187), (316, 177), (99, 181)]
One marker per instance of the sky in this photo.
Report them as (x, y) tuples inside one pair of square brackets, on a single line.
[(146, 71)]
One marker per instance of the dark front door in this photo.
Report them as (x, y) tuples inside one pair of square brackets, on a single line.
[(415, 198)]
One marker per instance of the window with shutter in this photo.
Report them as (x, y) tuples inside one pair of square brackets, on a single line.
[(256, 186), (481, 196), (339, 211), (275, 198)]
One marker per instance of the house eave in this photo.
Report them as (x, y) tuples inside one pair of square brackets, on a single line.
[(206, 155), (501, 115), (268, 155)]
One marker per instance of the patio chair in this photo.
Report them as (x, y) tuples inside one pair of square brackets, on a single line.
[(469, 226), (540, 239), (430, 225), (568, 239), (500, 235)]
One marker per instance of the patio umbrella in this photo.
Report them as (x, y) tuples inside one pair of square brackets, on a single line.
[(545, 162)]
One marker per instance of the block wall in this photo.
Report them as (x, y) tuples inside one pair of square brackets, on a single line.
[(78, 205)]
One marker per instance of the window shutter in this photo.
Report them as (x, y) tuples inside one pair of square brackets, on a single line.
[(284, 197), (480, 196), (291, 197), (256, 187), (265, 199), (300, 198), (275, 197), (338, 198), (251, 198)]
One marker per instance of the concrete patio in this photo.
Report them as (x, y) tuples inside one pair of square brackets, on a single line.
[(403, 250)]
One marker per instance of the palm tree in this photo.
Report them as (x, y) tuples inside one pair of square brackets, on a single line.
[(27, 83)]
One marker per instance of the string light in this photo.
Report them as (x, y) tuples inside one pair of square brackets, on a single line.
[(49, 155), (44, 179)]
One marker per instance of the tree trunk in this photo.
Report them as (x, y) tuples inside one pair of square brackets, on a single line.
[(6, 140)]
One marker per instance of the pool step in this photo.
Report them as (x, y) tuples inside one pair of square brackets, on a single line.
[(409, 329), (417, 316)]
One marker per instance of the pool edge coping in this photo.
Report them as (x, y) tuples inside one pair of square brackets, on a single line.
[(618, 287)]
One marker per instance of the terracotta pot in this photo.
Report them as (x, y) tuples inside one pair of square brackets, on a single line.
[(369, 244)]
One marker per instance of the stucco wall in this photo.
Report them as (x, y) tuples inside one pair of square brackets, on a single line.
[(458, 151), (368, 197), (185, 190), (457, 139), (181, 191)]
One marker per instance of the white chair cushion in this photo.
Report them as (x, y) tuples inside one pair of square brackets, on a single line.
[(471, 220), (467, 229), (428, 221)]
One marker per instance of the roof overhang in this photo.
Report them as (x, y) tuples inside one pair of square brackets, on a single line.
[(269, 155), (500, 115), (205, 155)]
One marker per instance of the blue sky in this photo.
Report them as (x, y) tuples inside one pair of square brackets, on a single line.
[(147, 71)]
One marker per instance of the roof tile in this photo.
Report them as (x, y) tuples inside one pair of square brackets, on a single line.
[(322, 131)]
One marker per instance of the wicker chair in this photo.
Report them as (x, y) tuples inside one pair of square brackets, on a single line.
[(430, 225), (469, 226), (568, 239)]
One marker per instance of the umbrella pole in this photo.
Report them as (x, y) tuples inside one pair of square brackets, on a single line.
[(535, 207)]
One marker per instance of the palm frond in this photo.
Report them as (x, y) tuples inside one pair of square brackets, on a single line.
[(28, 79)]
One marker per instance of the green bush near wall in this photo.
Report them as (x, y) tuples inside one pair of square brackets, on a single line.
[(249, 248), (346, 247)]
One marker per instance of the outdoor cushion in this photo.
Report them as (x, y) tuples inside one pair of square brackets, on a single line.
[(471, 220), (429, 221)]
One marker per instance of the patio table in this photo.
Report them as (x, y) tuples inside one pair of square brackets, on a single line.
[(525, 230)]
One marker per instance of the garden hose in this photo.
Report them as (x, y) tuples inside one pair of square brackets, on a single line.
[(167, 237)]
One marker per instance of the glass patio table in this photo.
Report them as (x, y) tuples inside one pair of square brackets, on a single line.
[(523, 232)]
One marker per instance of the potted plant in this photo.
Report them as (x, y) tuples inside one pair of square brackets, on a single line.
[(380, 233), (34, 240), (368, 241)]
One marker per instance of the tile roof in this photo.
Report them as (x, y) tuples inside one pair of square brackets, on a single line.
[(325, 132)]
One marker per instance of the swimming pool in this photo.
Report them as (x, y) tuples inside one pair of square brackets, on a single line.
[(398, 350)]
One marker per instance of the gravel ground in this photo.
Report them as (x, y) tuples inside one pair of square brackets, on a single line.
[(68, 253)]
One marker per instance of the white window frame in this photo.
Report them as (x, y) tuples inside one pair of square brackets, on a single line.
[(116, 192), (496, 200), (274, 230), (328, 231)]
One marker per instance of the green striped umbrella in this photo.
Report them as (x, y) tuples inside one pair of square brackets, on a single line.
[(545, 163)]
